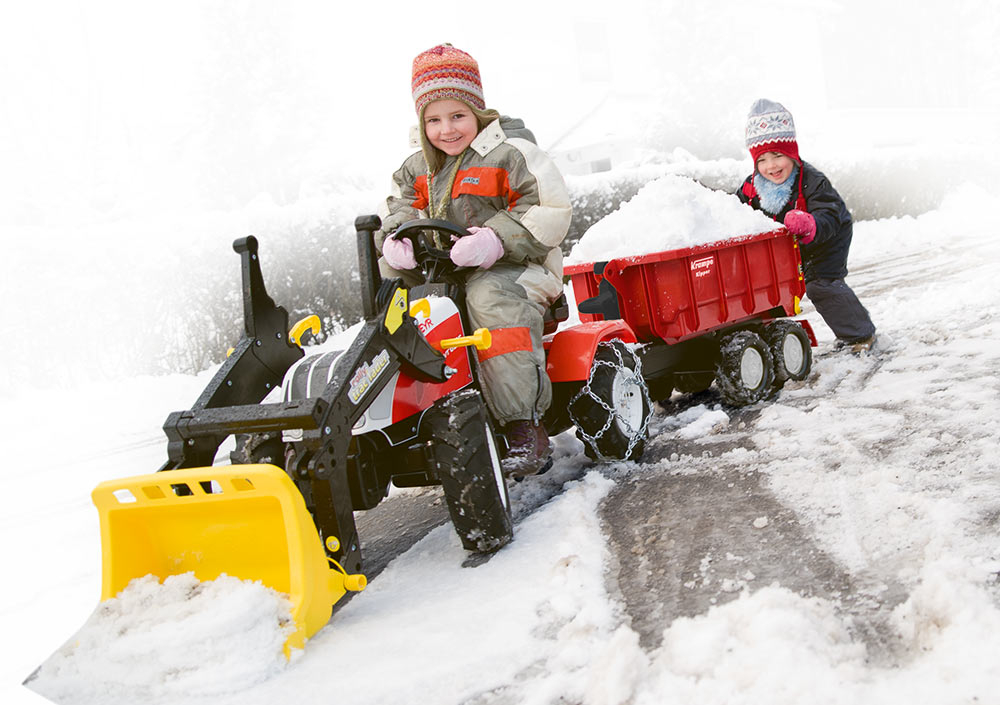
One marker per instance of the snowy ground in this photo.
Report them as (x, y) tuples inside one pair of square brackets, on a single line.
[(885, 465)]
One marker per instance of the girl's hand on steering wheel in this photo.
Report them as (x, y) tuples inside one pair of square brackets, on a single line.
[(399, 253), (482, 248)]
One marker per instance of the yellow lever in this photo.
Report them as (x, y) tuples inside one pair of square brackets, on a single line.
[(481, 339), (310, 323)]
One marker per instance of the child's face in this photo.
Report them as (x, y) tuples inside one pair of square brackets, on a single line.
[(450, 125), (775, 167)]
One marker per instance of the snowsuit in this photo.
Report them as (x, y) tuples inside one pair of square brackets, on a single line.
[(824, 260), (504, 182)]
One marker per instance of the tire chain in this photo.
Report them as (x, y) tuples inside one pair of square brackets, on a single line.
[(585, 390)]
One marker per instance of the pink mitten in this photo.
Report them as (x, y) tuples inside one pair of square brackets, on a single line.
[(480, 249), (801, 224), (398, 253)]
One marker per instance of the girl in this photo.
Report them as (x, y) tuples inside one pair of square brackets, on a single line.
[(484, 173), (795, 193)]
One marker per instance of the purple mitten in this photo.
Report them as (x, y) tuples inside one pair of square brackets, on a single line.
[(398, 253), (801, 224), (480, 249)]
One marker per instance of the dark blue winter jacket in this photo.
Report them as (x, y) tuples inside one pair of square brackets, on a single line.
[(826, 256)]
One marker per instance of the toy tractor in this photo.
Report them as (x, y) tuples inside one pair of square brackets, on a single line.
[(401, 405)]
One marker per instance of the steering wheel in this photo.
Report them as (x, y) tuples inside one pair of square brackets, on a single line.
[(435, 262)]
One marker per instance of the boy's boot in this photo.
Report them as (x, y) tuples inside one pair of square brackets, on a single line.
[(863, 346), (858, 347)]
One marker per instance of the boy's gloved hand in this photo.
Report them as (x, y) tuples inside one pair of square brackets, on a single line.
[(802, 225), (480, 249), (399, 253)]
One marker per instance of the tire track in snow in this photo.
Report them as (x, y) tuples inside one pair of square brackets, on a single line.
[(695, 524)]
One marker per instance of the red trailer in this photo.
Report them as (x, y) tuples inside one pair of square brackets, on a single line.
[(716, 312), (678, 294)]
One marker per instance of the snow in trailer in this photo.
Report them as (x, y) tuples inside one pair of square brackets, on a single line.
[(837, 542)]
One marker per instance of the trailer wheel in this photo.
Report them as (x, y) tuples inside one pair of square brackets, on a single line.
[(612, 410), (467, 463), (745, 370), (791, 350)]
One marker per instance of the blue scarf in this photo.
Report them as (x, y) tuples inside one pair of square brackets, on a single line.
[(773, 197)]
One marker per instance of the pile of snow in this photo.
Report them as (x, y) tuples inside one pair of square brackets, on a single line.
[(181, 638), (669, 213), (530, 623)]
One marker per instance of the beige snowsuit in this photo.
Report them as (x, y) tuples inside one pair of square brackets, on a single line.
[(504, 182)]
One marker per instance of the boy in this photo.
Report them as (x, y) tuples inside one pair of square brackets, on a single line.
[(797, 194)]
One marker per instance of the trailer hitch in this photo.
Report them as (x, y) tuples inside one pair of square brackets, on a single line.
[(606, 301)]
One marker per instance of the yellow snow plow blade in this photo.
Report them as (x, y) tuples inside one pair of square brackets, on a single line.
[(247, 521)]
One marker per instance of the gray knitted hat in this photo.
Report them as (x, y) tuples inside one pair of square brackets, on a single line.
[(770, 128)]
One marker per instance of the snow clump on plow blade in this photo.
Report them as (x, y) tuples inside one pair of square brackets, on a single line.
[(245, 521)]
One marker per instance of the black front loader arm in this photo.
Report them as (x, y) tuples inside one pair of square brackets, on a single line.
[(256, 365), (388, 341)]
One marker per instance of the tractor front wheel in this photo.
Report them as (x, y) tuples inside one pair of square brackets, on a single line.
[(467, 463), (253, 448)]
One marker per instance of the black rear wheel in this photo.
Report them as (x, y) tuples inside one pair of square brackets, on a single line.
[(466, 461), (612, 410)]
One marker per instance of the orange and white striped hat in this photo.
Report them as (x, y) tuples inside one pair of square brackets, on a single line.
[(446, 72)]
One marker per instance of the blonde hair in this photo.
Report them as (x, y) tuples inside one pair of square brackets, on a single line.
[(434, 157)]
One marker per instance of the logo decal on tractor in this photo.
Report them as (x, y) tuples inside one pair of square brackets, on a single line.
[(702, 267), (396, 310), (366, 375)]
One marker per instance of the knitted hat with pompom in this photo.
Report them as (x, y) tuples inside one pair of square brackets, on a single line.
[(770, 128), (446, 72)]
